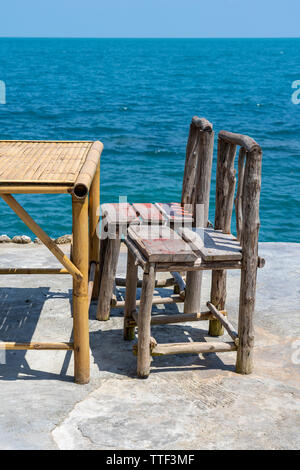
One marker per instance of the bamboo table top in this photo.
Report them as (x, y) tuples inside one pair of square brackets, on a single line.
[(39, 163)]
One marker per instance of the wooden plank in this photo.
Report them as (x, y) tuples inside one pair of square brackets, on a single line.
[(175, 213), (119, 213), (160, 243), (149, 213), (212, 245)]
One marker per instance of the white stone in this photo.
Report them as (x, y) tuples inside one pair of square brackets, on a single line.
[(21, 239), (4, 239)]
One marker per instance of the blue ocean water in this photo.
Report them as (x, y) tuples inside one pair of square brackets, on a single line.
[(138, 96)]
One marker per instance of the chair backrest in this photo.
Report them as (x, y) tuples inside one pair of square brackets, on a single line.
[(198, 164), (248, 189)]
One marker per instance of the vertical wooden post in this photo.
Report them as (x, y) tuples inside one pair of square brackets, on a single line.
[(239, 193), (193, 292), (94, 243), (130, 300), (251, 194), (225, 186), (108, 275), (202, 178), (103, 247), (144, 323), (218, 299), (80, 294)]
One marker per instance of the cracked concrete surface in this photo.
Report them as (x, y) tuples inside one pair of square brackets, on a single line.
[(188, 402)]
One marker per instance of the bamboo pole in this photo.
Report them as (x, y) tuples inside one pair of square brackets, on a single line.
[(39, 232), (251, 195), (130, 302), (35, 346), (80, 294), (84, 180), (144, 328), (40, 271), (94, 208), (34, 189)]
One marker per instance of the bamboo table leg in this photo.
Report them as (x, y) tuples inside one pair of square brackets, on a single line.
[(94, 243), (80, 294), (130, 302), (144, 324)]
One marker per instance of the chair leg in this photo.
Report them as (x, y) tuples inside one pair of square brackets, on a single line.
[(218, 299), (193, 292), (130, 296), (144, 324), (244, 361), (108, 275)]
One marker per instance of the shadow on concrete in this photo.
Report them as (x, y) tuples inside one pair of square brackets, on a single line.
[(111, 353), (20, 312)]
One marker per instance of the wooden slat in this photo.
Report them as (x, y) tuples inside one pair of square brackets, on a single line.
[(119, 213), (212, 245), (149, 213), (42, 162), (160, 244), (174, 212)]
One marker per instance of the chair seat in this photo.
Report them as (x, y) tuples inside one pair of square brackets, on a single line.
[(161, 244), (146, 213), (212, 245)]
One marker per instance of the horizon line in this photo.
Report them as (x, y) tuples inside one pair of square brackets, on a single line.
[(149, 37)]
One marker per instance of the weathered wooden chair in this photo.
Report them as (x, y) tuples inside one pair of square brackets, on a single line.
[(163, 249), (116, 218)]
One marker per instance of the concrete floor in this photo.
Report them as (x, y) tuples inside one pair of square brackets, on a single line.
[(188, 402)]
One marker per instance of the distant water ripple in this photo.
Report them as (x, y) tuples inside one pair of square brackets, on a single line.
[(138, 97)]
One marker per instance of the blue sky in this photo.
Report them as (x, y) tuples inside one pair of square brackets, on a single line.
[(150, 18)]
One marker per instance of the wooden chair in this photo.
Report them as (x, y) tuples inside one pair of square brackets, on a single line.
[(116, 218), (193, 250)]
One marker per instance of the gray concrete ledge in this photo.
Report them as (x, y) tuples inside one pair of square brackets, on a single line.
[(188, 402)]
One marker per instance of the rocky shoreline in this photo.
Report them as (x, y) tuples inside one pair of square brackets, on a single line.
[(25, 240)]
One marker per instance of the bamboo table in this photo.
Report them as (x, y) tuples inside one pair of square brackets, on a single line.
[(48, 167)]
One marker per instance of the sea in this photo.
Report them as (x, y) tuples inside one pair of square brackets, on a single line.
[(138, 97)]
